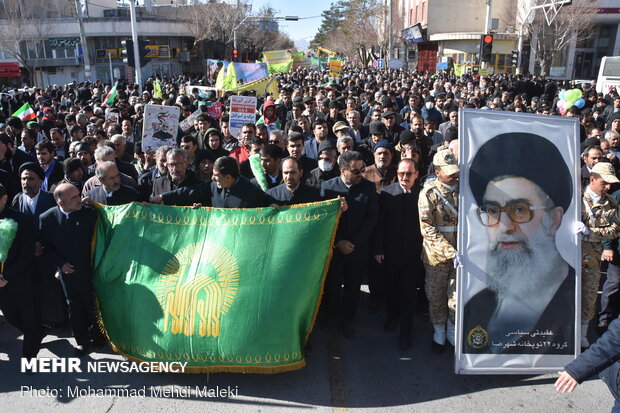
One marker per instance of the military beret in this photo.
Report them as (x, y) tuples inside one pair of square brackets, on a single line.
[(522, 155)]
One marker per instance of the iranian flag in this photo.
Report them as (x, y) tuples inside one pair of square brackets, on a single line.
[(109, 99), (25, 113)]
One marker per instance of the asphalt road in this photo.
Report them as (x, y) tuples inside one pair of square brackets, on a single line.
[(368, 373)]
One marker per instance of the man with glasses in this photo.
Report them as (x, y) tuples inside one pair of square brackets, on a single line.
[(349, 262), (438, 206), (522, 188)]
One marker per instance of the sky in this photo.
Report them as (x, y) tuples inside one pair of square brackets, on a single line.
[(302, 29)]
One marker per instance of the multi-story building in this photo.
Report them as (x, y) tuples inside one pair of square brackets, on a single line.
[(453, 30), (449, 29), (50, 44)]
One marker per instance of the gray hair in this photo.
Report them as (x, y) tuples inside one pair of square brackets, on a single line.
[(172, 153), (344, 139), (102, 152), (118, 137), (611, 134), (103, 167)]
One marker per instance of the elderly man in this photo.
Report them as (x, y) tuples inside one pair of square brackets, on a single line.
[(103, 154), (522, 187), (178, 176), (398, 246), (66, 233), (111, 191), (383, 172), (327, 166), (121, 147), (231, 190), (599, 223), (357, 131)]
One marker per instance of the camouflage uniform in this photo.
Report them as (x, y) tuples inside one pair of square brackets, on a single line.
[(438, 225), (603, 225)]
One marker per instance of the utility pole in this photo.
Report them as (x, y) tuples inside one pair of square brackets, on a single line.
[(391, 10), (136, 48), (85, 54), (487, 28)]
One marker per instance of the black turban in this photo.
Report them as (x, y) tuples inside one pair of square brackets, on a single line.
[(522, 155)]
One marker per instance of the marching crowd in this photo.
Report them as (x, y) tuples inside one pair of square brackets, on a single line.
[(386, 141)]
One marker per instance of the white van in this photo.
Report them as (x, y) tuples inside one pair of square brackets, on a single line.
[(608, 74)]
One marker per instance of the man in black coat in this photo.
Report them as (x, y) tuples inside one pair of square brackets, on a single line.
[(32, 202), (601, 357), (327, 166), (179, 175), (398, 246), (11, 158), (348, 265), (145, 183), (292, 191), (66, 232), (230, 190), (18, 284), (111, 191)]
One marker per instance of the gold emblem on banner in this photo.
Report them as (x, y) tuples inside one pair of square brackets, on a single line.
[(197, 286), (477, 338)]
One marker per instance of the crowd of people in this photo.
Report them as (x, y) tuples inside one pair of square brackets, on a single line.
[(386, 141)]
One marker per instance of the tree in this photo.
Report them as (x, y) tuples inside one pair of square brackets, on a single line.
[(352, 28), (573, 22), (20, 22)]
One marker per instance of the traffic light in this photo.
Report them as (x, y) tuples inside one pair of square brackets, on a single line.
[(235, 53), (127, 53), (142, 50), (486, 47), (515, 58)]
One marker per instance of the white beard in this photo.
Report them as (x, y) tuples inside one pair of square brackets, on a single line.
[(524, 272)]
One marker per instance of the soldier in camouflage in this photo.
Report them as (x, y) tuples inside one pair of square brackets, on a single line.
[(599, 223), (438, 206)]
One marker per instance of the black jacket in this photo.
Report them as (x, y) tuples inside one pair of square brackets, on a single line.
[(17, 267), (124, 195), (397, 235), (316, 177), (68, 240), (358, 221), (281, 196), (243, 194), (46, 201)]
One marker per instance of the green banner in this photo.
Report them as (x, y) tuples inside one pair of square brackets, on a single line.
[(225, 290), (275, 68)]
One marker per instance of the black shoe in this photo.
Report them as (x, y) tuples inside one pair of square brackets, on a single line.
[(81, 351), (348, 331), (602, 326), (390, 325), (405, 343), (437, 348)]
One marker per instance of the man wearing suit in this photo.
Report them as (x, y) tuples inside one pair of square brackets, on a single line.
[(179, 175), (357, 131), (348, 265), (66, 233), (591, 156), (111, 191), (398, 247), (292, 191), (32, 202), (321, 132), (18, 284), (230, 190), (523, 188)]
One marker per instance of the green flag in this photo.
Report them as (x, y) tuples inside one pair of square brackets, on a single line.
[(232, 290)]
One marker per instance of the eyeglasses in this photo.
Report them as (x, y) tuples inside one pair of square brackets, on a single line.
[(407, 174), (519, 212), (357, 171)]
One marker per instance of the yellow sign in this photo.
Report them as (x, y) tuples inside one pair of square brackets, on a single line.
[(106, 53), (335, 68), (483, 72), (277, 56), (325, 52), (152, 51)]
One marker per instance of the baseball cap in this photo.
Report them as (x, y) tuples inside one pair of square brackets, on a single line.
[(446, 161), (606, 171)]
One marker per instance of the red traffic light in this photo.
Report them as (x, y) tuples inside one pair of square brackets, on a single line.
[(487, 39), (235, 53)]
